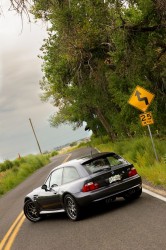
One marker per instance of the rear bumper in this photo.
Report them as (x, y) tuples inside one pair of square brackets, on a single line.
[(117, 189)]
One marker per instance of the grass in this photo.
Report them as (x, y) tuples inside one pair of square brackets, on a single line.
[(14, 172)]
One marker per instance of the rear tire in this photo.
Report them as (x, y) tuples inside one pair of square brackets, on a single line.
[(31, 211), (71, 207)]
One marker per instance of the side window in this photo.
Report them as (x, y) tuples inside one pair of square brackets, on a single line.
[(56, 177), (70, 174)]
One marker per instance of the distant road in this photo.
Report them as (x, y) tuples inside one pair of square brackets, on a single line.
[(137, 225)]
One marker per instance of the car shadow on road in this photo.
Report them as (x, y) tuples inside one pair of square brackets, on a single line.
[(104, 208), (95, 210)]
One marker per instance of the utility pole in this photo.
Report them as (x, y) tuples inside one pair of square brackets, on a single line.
[(35, 136)]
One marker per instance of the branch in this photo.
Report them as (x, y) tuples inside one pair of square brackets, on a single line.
[(20, 6), (91, 69), (143, 29), (161, 53)]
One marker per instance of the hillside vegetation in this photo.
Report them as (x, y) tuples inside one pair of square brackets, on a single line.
[(14, 172)]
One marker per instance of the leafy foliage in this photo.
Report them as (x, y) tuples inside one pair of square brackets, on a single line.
[(95, 55)]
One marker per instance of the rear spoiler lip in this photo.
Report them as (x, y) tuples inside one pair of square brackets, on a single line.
[(105, 154)]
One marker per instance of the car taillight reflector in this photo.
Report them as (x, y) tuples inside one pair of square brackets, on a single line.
[(90, 187), (132, 172)]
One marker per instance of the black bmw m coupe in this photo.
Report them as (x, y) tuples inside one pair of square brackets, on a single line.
[(78, 183)]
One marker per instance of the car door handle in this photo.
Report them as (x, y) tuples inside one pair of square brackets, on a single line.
[(54, 191)]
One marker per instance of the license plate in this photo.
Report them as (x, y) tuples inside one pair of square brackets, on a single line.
[(114, 178)]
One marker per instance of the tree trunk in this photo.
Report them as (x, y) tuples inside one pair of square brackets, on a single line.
[(105, 123)]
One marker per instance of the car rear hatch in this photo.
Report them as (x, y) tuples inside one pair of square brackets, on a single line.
[(115, 174), (107, 172)]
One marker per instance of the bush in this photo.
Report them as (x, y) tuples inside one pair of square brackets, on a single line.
[(6, 165), (19, 170), (73, 144), (53, 153)]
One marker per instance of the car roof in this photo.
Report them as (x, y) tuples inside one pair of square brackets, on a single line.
[(92, 157), (85, 159)]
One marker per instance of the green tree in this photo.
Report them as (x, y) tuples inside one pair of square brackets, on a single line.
[(96, 53)]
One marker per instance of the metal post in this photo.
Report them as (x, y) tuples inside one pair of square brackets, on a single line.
[(35, 136), (153, 143)]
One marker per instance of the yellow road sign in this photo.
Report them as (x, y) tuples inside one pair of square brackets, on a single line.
[(146, 118), (141, 98)]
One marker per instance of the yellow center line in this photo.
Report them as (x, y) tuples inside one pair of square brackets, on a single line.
[(67, 158), (10, 230), (15, 227), (14, 234)]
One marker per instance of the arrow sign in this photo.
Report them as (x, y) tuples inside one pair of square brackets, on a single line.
[(138, 94), (141, 98)]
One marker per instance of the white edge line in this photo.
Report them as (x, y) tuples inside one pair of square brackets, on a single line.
[(154, 195)]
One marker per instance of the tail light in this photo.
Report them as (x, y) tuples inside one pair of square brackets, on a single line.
[(132, 172), (90, 187)]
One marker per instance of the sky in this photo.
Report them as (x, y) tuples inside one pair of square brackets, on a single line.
[(20, 73)]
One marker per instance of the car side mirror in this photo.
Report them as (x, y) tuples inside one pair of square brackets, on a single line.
[(54, 185), (44, 187)]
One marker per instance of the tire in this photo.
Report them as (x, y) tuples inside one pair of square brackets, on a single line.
[(31, 212), (138, 193), (133, 194), (71, 207)]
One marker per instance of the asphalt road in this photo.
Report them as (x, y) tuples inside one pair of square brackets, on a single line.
[(137, 225)]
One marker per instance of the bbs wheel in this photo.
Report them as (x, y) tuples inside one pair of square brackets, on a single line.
[(31, 212), (71, 207)]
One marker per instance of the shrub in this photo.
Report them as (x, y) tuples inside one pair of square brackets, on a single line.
[(19, 170), (53, 153), (6, 165)]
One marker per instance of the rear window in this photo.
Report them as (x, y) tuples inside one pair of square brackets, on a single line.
[(103, 164)]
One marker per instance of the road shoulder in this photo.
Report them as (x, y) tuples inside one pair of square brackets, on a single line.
[(157, 190)]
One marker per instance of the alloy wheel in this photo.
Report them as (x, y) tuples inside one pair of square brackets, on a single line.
[(71, 207), (31, 212)]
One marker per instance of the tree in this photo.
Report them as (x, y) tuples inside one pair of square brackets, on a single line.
[(96, 53), (74, 68)]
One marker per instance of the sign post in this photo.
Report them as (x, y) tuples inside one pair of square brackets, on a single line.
[(141, 99), (153, 143)]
